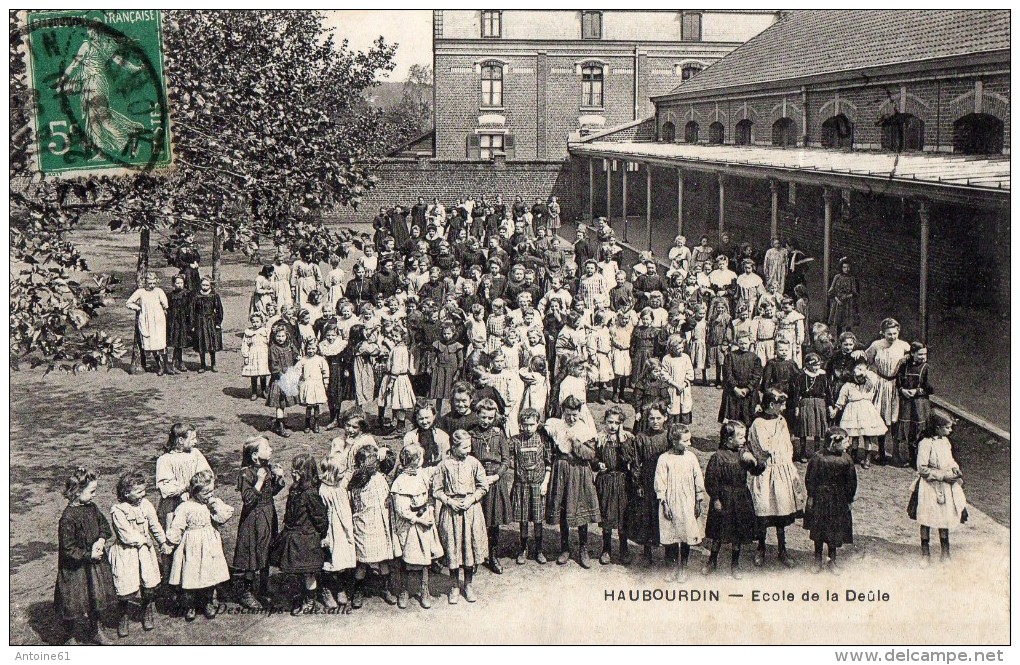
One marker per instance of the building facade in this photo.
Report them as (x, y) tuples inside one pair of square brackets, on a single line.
[(523, 82)]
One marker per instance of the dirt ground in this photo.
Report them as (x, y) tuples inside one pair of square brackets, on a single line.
[(116, 422)]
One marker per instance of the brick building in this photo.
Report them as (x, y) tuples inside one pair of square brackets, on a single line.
[(878, 135), (522, 81), (513, 86)]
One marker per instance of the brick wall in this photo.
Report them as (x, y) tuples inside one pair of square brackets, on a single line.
[(402, 181), (937, 103)]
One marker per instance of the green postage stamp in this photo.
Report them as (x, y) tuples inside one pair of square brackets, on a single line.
[(100, 92)]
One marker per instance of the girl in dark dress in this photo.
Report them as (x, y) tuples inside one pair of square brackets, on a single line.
[(178, 325), (298, 550), (449, 357), (642, 345), (491, 447), (282, 357), (731, 517), (742, 374), (84, 589), (812, 398), (914, 385), (612, 463), (651, 390), (206, 324), (332, 349), (258, 482), (643, 506), (831, 482)]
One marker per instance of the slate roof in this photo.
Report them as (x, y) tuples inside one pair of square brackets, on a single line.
[(817, 42)]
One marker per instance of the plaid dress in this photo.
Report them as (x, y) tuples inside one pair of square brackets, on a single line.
[(530, 458)]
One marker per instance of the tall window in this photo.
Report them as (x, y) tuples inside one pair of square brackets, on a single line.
[(492, 85), (591, 25), (688, 71), (838, 132), (489, 145), (902, 132), (783, 133), (743, 135), (591, 86), (691, 132), (690, 27), (716, 133), (978, 134), (492, 23)]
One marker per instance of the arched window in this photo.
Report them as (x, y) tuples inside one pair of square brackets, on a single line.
[(838, 132), (743, 136), (669, 132), (688, 71), (783, 133), (716, 133), (591, 85), (978, 134), (691, 132), (902, 132), (492, 85)]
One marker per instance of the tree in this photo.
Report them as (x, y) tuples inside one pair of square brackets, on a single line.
[(50, 305), (268, 122), (269, 129)]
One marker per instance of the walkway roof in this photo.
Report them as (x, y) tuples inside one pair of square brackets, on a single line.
[(970, 180)]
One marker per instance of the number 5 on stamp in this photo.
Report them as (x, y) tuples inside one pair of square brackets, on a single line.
[(99, 90)]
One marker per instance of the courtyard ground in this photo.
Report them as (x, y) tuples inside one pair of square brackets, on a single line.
[(116, 422)]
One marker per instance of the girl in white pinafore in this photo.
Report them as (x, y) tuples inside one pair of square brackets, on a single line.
[(861, 418), (333, 491), (941, 503), (199, 563), (680, 489), (778, 492)]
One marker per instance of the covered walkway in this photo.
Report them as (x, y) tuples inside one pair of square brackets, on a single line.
[(918, 223)]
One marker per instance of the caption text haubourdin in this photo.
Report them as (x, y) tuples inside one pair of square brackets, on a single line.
[(755, 596)]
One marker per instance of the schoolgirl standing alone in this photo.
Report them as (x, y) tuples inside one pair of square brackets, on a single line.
[(134, 555), (314, 372), (459, 485), (150, 304), (415, 537), (643, 508), (778, 492), (573, 501), (731, 517), (531, 459), (621, 330), (831, 482), (489, 445), (813, 396), (340, 557), (680, 489), (255, 355), (860, 417), (207, 324), (84, 590), (941, 503), (282, 357), (297, 550), (885, 356), (257, 483), (178, 325), (199, 563), (449, 355), (370, 506), (396, 392), (613, 456), (915, 406)]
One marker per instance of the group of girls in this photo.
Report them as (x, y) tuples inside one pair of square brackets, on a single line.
[(362, 511)]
